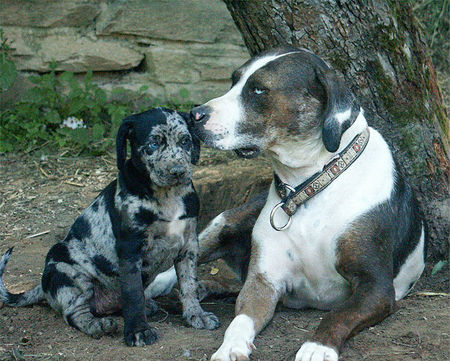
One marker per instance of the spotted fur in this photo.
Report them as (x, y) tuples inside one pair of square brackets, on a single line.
[(141, 224)]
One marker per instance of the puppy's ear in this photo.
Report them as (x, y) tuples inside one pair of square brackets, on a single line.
[(342, 108), (121, 141), (195, 151)]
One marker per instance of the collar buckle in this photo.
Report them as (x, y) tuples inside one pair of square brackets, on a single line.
[(285, 188), (272, 215)]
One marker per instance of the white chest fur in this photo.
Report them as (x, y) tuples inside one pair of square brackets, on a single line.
[(302, 259)]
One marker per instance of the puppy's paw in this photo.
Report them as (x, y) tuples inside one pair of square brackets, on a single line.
[(102, 326), (109, 325), (141, 338), (203, 319), (313, 351)]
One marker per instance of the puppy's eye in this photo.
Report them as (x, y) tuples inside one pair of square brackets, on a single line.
[(185, 141), (259, 91), (155, 142)]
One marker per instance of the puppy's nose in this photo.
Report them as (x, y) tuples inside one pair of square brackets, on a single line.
[(178, 171), (199, 113)]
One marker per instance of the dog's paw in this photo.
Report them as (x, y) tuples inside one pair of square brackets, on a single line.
[(203, 319), (238, 351), (141, 338), (313, 351)]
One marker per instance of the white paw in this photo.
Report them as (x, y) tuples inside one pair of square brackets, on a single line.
[(312, 351), (235, 351), (162, 284)]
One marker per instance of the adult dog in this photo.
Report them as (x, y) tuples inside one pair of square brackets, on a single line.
[(340, 229), (140, 225)]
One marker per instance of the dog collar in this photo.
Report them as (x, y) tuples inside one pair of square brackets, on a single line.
[(292, 198)]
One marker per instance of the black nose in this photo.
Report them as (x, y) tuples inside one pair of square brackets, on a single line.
[(178, 171), (198, 114)]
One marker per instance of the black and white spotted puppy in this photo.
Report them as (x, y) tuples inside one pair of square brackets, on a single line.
[(140, 225)]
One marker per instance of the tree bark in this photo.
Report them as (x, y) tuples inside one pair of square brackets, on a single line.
[(378, 48)]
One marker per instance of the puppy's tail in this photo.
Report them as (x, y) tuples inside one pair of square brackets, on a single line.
[(20, 299)]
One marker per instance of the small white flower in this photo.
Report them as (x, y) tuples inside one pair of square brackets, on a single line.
[(73, 123)]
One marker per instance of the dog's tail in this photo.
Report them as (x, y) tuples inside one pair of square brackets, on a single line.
[(20, 299)]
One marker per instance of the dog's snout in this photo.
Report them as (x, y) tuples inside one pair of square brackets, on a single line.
[(199, 114), (178, 171)]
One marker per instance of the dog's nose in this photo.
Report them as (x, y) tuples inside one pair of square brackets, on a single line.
[(178, 171), (199, 113)]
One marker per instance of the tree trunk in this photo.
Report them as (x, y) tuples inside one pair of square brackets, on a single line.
[(378, 48)]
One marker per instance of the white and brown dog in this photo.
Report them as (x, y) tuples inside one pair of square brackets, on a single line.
[(339, 230)]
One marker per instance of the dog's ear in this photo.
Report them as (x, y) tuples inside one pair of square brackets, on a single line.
[(195, 151), (341, 111), (121, 141)]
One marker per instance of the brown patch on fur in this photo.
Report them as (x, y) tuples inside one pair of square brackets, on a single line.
[(105, 301), (291, 98), (365, 260), (258, 300)]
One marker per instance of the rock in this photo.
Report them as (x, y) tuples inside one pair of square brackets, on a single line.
[(45, 14), (196, 21), (204, 69), (72, 51), (171, 65), (198, 93), (168, 45)]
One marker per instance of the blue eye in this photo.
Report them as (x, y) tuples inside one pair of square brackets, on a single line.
[(259, 91), (155, 142), (185, 141)]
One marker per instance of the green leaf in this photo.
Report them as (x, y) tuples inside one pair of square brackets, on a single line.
[(143, 88), (100, 96), (81, 136), (118, 91), (8, 73), (88, 79), (184, 93), (97, 131), (53, 117), (67, 76), (6, 146), (76, 106), (53, 65), (76, 92), (438, 266)]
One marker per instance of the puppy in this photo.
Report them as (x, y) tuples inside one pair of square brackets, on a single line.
[(142, 223)]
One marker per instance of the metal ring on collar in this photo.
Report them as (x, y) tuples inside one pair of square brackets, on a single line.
[(272, 214), (292, 189)]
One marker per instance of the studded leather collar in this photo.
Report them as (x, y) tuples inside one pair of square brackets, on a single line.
[(292, 198)]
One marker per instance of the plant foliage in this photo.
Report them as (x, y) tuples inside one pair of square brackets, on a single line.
[(38, 120)]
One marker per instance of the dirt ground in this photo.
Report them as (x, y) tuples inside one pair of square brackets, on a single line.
[(44, 195)]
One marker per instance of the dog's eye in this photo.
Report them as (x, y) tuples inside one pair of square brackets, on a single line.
[(259, 91), (155, 142), (185, 141)]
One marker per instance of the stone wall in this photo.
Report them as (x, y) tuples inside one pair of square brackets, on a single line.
[(166, 45)]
